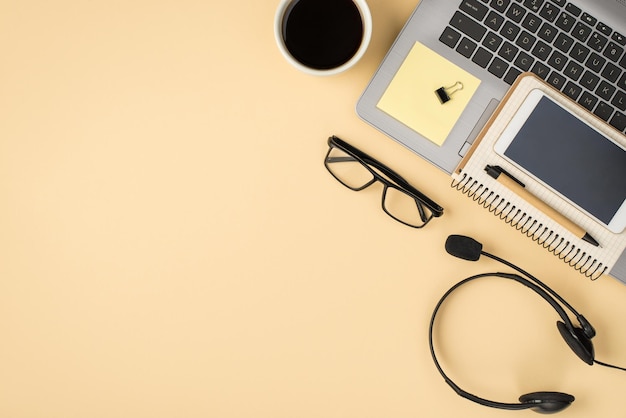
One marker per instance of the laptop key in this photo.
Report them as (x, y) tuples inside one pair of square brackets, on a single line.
[(473, 8), (556, 80), (595, 62), (525, 41), (579, 52), (531, 22), (557, 60), (549, 12), (508, 51), (498, 67), (450, 37), (619, 101), (512, 75), (547, 32), (613, 51), (588, 101), (572, 90), (524, 61), (618, 121), (466, 47), (468, 26), (500, 5), (510, 31), (482, 57), (581, 32), (588, 19), (565, 21), (611, 72), (573, 9), (573, 70), (540, 70), (605, 91), (563, 42), (597, 41), (494, 21), (515, 13), (533, 5), (603, 28), (603, 111), (492, 41), (589, 80), (542, 50)]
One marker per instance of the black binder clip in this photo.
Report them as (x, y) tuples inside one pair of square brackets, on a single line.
[(444, 93)]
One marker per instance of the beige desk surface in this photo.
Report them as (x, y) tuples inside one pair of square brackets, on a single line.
[(172, 246)]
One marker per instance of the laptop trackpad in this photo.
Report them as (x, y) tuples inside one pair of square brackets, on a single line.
[(491, 107)]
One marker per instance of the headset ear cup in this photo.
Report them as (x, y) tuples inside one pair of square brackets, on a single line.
[(578, 342), (547, 402)]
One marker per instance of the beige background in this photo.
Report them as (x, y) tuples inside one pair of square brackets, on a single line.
[(172, 246)]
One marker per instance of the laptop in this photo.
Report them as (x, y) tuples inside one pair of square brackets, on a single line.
[(578, 47)]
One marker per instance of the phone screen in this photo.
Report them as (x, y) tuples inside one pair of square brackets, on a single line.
[(573, 158)]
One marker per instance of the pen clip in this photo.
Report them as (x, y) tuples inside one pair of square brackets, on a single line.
[(495, 171)]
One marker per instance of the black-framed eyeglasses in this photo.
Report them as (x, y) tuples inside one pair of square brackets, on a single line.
[(356, 170)]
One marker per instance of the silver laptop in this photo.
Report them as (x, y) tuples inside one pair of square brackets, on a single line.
[(578, 47)]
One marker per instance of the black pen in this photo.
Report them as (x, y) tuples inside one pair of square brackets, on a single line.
[(519, 188)]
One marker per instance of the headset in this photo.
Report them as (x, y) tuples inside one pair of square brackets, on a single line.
[(578, 337)]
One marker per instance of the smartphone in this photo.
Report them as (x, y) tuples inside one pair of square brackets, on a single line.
[(569, 156)]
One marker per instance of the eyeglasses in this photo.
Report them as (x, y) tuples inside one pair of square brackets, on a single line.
[(356, 170)]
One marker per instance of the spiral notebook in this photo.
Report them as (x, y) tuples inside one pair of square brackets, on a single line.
[(471, 179)]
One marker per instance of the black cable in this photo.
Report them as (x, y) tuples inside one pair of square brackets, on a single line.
[(583, 321), (536, 280), (609, 365), (588, 329)]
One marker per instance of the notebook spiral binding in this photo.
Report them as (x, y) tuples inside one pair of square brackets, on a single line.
[(541, 234)]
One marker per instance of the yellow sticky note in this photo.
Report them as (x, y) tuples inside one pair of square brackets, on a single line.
[(411, 99)]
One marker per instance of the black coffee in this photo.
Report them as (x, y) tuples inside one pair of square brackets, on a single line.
[(322, 34)]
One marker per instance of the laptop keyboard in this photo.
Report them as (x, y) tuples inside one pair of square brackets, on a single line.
[(558, 41)]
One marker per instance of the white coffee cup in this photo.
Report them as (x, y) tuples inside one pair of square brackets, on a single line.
[(279, 24)]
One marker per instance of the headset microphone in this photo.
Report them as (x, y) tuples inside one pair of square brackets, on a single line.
[(578, 338), (464, 247)]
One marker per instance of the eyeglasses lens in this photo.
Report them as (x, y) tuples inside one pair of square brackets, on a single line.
[(405, 208), (348, 170)]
